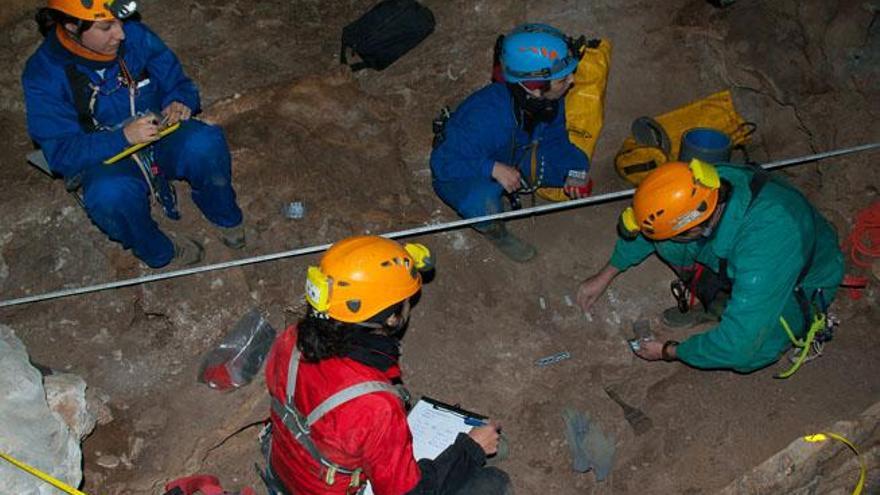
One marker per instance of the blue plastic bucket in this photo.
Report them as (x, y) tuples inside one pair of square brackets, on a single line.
[(707, 144)]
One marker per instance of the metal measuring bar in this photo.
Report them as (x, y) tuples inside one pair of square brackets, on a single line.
[(425, 229)]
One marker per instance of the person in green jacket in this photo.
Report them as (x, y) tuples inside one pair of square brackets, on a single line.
[(733, 230)]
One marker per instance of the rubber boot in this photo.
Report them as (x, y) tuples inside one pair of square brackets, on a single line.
[(511, 246), (187, 251), (673, 318), (233, 237)]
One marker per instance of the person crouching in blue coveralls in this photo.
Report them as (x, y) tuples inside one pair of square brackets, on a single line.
[(511, 130), (97, 85)]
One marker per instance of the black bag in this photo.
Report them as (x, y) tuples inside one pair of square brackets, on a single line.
[(386, 32)]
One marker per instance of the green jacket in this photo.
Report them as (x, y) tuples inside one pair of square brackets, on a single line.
[(766, 247)]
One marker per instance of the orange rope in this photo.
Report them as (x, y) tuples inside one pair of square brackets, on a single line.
[(863, 243)]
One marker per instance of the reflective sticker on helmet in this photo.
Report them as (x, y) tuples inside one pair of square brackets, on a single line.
[(685, 219)]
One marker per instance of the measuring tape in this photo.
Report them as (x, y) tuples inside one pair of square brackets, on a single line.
[(43, 476)]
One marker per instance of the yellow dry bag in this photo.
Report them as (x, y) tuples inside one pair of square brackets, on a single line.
[(584, 106), (635, 159)]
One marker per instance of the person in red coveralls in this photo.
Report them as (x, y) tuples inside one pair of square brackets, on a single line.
[(338, 416)]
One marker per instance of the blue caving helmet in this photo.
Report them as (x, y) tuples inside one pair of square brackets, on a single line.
[(536, 52)]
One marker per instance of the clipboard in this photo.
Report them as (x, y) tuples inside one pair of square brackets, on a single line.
[(137, 147), (455, 410), (434, 426)]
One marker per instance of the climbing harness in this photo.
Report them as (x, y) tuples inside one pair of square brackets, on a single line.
[(820, 329), (420, 230), (160, 187), (696, 282), (438, 126), (299, 425), (143, 154)]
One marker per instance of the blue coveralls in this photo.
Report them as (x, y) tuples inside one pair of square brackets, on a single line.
[(484, 130), (116, 196)]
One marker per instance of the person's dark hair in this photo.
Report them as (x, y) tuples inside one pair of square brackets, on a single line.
[(47, 19), (319, 338)]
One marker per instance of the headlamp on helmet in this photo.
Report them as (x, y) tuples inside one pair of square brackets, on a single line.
[(122, 9), (95, 10)]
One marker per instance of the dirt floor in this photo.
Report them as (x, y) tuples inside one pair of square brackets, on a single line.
[(354, 149)]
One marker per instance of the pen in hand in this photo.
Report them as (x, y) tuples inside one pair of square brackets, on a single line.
[(470, 421)]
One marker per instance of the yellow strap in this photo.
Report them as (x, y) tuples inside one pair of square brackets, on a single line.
[(818, 324), (791, 337), (863, 468), (43, 476), (534, 165), (137, 147)]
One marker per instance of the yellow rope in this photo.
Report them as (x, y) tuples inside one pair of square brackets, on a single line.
[(863, 468), (43, 476)]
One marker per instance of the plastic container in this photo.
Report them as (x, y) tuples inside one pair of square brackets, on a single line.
[(240, 355), (707, 144)]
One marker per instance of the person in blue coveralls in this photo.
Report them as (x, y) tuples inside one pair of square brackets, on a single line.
[(510, 136), (100, 82)]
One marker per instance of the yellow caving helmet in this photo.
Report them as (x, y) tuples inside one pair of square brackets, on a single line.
[(95, 10), (673, 198), (361, 276)]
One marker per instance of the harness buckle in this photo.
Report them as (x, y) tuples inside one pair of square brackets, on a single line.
[(681, 293), (355, 478), (330, 477), (826, 334)]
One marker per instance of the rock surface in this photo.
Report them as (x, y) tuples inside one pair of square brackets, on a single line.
[(32, 433)]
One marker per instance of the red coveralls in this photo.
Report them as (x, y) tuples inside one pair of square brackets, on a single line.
[(368, 432)]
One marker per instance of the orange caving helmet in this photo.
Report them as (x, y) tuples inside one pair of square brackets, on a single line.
[(95, 10), (672, 199), (361, 276)]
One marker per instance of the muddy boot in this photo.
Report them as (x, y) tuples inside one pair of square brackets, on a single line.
[(187, 251), (513, 247), (673, 318), (233, 237)]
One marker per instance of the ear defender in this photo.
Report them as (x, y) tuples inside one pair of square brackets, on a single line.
[(627, 226), (318, 289), (421, 255), (705, 174)]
